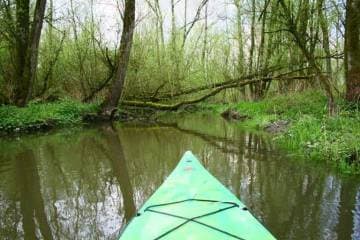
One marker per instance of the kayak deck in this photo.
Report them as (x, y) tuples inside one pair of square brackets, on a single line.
[(192, 204)]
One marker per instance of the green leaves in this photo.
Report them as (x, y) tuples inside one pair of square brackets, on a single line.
[(37, 116), (312, 133)]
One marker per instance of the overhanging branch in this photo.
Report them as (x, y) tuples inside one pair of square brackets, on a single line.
[(213, 92)]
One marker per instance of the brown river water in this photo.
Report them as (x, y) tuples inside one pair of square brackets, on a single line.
[(87, 183)]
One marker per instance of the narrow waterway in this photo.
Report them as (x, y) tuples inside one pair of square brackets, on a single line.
[(88, 183)]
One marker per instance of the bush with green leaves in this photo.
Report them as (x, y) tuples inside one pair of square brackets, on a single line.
[(312, 133), (64, 112)]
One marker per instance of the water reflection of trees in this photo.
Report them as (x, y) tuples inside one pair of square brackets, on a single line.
[(295, 200), (31, 200), (67, 191), (87, 185), (118, 163)]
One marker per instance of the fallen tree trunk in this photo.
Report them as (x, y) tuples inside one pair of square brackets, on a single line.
[(213, 92), (168, 96)]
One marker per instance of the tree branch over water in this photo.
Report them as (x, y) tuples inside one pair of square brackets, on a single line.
[(214, 90)]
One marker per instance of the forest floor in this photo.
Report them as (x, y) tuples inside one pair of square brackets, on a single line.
[(298, 122)]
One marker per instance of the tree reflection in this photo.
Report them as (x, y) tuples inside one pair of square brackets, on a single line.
[(296, 201), (31, 200), (84, 186), (346, 209), (118, 162)]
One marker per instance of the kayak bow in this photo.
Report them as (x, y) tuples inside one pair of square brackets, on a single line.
[(192, 204)]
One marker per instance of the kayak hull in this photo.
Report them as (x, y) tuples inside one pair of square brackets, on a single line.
[(193, 205)]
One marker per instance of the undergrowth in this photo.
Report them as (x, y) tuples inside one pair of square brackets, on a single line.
[(312, 133), (43, 115)]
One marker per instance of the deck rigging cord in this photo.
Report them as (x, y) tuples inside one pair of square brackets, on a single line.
[(194, 219)]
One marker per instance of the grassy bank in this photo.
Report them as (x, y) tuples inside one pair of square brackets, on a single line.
[(312, 133), (43, 116)]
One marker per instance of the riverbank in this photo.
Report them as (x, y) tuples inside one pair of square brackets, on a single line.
[(43, 116), (311, 133)]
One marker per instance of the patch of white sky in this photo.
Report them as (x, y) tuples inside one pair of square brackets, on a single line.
[(221, 14)]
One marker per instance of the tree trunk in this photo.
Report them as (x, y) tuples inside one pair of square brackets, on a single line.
[(174, 78), (159, 22), (309, 55), (111, 101), (240, 58), (352, 51), (34, 43), (325, 33), (22, 31), (81, 56), (27, 48), (185, 19), (252, 37), (252, 44), (261, 86), (240, 45), (204, 54)]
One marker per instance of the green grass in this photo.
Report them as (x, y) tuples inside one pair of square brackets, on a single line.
[(312, 133), (39, 115)]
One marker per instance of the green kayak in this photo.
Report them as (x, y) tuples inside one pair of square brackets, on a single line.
[(192, 204)]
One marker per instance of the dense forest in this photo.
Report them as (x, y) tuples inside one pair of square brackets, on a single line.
[(177, 51)]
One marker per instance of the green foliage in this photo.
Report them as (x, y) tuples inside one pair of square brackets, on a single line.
[(312, 133), (335, 140), (40, 115), (72, 66), (172, 68)]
